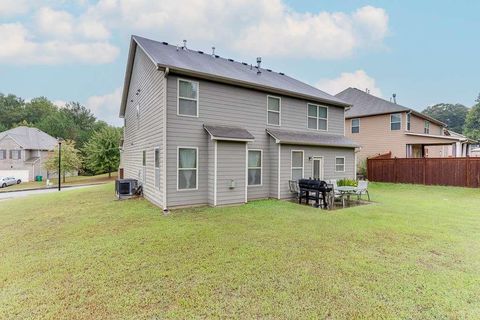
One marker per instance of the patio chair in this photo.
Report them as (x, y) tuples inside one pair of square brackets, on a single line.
[(337, 195), (293, 187), (362, 188)]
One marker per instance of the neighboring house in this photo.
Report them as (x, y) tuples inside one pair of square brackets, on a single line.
[(201, 129), (381, 126), (23, 151)]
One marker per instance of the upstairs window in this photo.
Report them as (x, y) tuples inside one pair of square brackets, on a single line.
[(317, 117), (395, 121), (355, 125), (426, 127), (3, 154), (408, 121), (254, 167), (273, 110), (187, 98), (15, 154), (187, 164)]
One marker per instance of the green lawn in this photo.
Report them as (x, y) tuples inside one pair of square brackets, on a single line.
[(69, 181), (415, 254)]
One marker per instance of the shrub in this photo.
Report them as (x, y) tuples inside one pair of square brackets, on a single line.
[(347, 183)]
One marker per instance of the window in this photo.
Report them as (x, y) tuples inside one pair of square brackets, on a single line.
[(355, 125), (426, 127), (297, 165), (187, 168), (3, 154), (144, 164), (156, 155), (339, 164), (317, 117), (395, 121), (273, 110), (187, 98), (15, 154), (408, 121), (254, 167)]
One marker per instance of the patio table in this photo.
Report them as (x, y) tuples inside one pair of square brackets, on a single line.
[(346, 191)]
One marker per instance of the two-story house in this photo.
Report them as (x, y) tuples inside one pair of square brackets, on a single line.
[(382, 126), (23, 151), (201, 129)]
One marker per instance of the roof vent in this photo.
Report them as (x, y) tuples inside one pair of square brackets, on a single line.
[(394, 96), (259, 62), (213, 51), (184, 45), (269, 70), (282, 73), (165, 43), (244, 63), (201, 52), (217, 56), (367, 90), (231, 60)]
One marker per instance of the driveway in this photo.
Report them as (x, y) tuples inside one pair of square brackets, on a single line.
[(20, 194)]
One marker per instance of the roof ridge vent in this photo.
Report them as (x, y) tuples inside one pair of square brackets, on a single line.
[(231, 60), (259, 63), (213, 51), (165, 43), (281, 73), (201, 52), (184, 45)]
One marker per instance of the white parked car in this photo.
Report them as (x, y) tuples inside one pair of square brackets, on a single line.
[(9, 181)]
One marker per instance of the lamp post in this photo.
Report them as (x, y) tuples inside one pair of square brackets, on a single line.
[(59, 163)]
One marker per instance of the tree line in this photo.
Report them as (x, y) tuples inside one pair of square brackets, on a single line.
[(90, 146), (458, 117)]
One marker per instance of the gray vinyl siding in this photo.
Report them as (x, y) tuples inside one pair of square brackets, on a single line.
[(328, 155), (231, 165), (146, 131), (211, 171), (234, 106)]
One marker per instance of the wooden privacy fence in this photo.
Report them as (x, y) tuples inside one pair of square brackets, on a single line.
[(460, 172)]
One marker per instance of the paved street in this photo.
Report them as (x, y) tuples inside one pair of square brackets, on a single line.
[(20, 194)]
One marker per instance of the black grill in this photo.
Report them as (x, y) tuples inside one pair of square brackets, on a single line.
[(310, 189)]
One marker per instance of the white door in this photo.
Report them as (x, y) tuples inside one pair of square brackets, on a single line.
[(317, 169)]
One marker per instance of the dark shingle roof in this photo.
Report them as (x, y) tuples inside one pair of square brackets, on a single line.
[(365, 104), (311, 138), (216, 68), (31, 138), (223, 132)]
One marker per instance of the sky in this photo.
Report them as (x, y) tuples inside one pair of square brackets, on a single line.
[(424, 51)]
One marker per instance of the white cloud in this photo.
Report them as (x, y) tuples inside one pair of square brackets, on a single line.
[(358, 79), (13, 7), (106, 107), (20, 48), (266, 27), (254, 27)]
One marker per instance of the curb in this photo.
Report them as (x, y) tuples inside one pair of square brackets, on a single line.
[(48, 188)]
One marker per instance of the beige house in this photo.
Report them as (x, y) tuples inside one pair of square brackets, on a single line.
[(381, 126), (23, 151)]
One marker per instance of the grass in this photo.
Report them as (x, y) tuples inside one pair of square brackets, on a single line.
[(415, 254), (69, 181)]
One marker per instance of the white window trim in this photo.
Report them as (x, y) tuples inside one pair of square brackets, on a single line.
[(344, 163), (279, 111), (317, 105), (261, 168), (178, 167), (426, 127), (19, 154), (155, 168), (197, 99), (351, 126), (392, 114), (291, 163)]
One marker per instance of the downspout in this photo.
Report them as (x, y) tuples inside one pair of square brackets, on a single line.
[(164, 142)]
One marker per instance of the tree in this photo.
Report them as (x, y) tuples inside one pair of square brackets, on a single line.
[(12, 110), (451, 114), (472, 123), (102, 152), (38, 109), (71, 159)]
